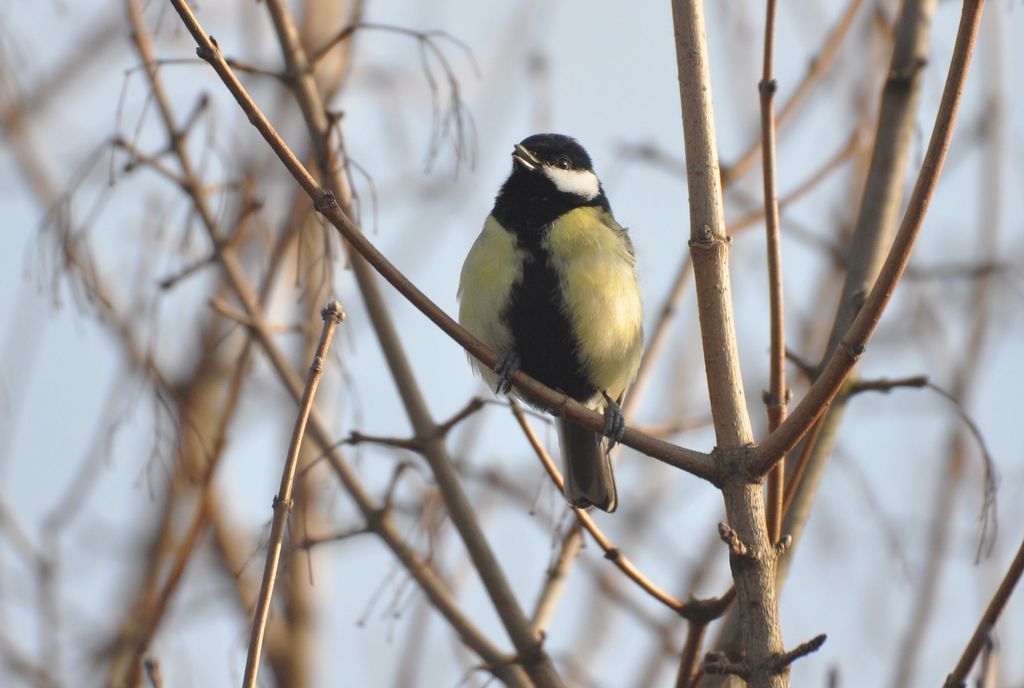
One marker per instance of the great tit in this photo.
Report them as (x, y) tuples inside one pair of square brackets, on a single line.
[(550, 284)]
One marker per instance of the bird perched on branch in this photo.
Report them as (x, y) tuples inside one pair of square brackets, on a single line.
[(550, 284)]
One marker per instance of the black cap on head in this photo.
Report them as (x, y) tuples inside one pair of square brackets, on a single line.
[(549, 147)]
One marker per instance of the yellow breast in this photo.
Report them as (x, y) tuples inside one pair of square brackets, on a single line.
[(602, 298), (493, 265)]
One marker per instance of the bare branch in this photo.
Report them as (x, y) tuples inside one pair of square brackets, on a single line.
[(777, 398), (333, 315), (813, 405), (988, 621)]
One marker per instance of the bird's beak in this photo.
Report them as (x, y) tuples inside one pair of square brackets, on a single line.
[(525, 158)]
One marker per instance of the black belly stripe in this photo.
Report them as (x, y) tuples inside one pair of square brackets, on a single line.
[(543, 336)]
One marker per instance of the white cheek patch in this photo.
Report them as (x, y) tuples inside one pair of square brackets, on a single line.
[(582, 183)]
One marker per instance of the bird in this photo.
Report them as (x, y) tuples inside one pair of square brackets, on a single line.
[(550, 284)]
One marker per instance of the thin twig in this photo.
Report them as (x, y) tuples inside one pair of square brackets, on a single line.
[(471, 407), (688, 666), (333, 315), (802, 650), (846, 355), (796, 475), (709, 245), (554, 581), (886, 385), (777, 397), (339, 536), (988, 621), (895, 134)]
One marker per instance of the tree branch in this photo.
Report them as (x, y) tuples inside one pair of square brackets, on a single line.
[(863, 326), (332, 315), (754, 571), (777, 397), (988, 621)]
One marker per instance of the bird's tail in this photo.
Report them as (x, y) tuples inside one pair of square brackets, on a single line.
[(588, 469)]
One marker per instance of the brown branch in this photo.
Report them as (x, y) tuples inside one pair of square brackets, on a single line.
[(356, 437), (988, 621), (333, 315), (846, 355), (708, 240), (777, 397), (894, 136), (802, 650), (797, 474), (753, 573), (236, 550), (886, 385), (554, 581), (698, 614), (695, 632), (140, 634), (309, 543), (471, 407)]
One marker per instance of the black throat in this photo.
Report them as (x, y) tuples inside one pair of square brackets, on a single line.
[(529, 202)]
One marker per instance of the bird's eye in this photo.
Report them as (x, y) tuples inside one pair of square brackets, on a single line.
[(564, 162)]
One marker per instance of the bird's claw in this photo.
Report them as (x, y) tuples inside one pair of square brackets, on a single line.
[(614, 422), (507, 365)]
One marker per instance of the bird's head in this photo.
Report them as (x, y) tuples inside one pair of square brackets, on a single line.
[(551, 175), (558, 161)]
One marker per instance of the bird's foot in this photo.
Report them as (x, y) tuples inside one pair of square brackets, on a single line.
[(507, 365), (614, 422)]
